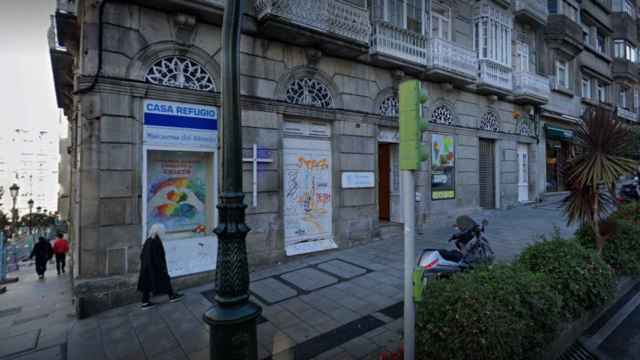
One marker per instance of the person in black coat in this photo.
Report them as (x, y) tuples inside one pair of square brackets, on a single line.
[(154, 275), (43, 252)]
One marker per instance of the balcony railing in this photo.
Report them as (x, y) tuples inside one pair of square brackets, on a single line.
[(627, 114), (453, 58), (331, 16), (388, 39), (495, 75), (530, 84), (537, 8)]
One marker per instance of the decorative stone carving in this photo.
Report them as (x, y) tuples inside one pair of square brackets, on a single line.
[(307, 91), (389, 107), (313, 56), (442, 115), (490, 122), (180, 72)]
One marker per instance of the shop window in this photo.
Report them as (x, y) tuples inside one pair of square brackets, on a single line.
[(308, 91), (442, 115), (180, 72), (389, 107), (490, 122)]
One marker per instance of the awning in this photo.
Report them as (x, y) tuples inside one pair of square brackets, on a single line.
[(557, 133)]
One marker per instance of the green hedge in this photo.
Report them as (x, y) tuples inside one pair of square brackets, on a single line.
[(628, 212), (494, 312), (622, 249), (583, 280)]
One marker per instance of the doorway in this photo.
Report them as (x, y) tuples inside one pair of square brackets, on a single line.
[(487, 171), (523, 173), (384, 183)]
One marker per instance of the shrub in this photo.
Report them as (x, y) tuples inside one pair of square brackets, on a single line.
[(622, 249), (494, 312), (628, 212), (577, 274)]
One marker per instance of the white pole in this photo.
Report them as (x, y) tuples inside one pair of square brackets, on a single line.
[(408, 204), (255, 176)]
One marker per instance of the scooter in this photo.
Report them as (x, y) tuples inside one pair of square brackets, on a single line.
[(472, 248)]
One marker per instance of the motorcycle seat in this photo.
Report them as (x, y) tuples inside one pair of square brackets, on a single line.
[(451, 255)]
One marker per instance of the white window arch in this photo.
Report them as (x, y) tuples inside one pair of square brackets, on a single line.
[(180, 72), (308, 91)]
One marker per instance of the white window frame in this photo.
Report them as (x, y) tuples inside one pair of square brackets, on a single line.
[(600, 47), (628, 7), (562, 81), (636, 100), (492, 36), (601, 91), (522, 56), (586, 87), (623, 94), (440, 19), (388, 5)]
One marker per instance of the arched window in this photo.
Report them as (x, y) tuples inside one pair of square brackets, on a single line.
[(442, 115), (389, 107), (180, 72), (490, 122), (308, 91)]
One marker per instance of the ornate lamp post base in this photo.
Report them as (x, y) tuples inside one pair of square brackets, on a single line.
[(233, 332)]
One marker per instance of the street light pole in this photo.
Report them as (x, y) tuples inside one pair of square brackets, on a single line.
[(30, 213), (233, 318)]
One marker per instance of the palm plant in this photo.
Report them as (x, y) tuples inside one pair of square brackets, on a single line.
[(601, 158)]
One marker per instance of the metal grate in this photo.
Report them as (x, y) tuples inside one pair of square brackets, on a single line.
[(487, 175), (577, 352)]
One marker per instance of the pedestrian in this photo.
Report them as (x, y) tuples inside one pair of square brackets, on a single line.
[(60, 249), (43, 253), (154, 275)]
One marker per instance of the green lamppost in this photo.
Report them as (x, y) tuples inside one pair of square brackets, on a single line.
[(233, 318), (14, 190)]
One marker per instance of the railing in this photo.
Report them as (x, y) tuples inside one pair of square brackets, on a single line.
[(331, 16), (495, 74), (627, 114), (536, 7), (530, 84), (404, 44), (450, 57)]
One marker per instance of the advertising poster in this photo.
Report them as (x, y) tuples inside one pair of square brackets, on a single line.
[(178, 197), (442, 167), (307, 196)]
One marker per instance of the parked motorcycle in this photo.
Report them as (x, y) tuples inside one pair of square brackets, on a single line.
[(472, 248)]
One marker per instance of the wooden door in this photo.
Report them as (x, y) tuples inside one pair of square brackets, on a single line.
[(384, 186), (487, 175)]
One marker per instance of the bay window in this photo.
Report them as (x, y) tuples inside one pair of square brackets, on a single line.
[(492, 35), (623, 50), (627, 7), (440, 21)]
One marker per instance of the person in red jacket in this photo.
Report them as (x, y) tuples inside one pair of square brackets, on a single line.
[(60, 249)]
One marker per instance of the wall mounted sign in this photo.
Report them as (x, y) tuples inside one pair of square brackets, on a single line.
[(353, 180), (307, 128), (173, 124), (442, 167), (389, 136)]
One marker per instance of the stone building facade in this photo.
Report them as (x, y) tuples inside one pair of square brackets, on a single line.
[(319, 86)]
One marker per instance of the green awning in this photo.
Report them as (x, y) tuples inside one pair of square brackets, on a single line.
[(557, 133)]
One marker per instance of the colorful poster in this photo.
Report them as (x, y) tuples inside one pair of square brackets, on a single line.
[(177, 191), (307, 196), (442, 167)]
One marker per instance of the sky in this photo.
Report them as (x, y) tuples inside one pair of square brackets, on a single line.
[(27, 95)]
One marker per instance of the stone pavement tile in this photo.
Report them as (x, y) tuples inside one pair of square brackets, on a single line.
[(282, 319), (113, 322), (51, 353), (337, 353), (309, 279), (156, 340), (18, 343), (272, 290), (295, 306), (343, 316), (313, 316), (386, 339), (301, 332), (128, 348), (288, 354), (271, 310), (360, 347), (175, 354), (277, 342), (146, 319), (193, 340), (325, 325), (395, 326), (342, 269)]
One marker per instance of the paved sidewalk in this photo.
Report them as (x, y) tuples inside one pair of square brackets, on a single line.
[(344, 304)]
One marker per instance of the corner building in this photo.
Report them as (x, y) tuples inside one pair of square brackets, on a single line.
[(140, 84)]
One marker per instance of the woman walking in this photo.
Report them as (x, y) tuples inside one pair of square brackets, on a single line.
[(43, 253), (154, 275)]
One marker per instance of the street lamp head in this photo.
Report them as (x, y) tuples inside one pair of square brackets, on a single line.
[(14, 190), (30, 202), (38, 209)]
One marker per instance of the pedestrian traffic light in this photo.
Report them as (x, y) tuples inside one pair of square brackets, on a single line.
[(411, 125)]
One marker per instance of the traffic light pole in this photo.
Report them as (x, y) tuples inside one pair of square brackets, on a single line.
[(409, 214)]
